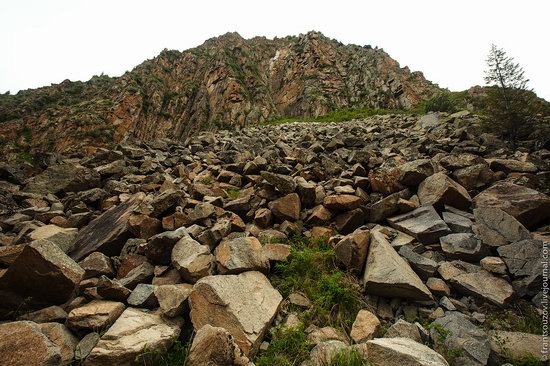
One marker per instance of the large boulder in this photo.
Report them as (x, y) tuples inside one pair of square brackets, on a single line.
[(42, 273), (134, 331), (403, 352), (62, 337), (454, 331), (107, 233), (23, 343), (244, 304), (469, 279), (352, 250), (516, 345), (528, 206), (287, 207), (389, 275), (240, 255), (495, 227), (439, 190), (423, 223), (63, 178)]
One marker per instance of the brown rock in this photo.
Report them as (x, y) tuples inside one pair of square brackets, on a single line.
[(95, 316), (365, 326), (342, 202), (241, 254), (215, 346), (287, 207), (439, 190), (96, 265)]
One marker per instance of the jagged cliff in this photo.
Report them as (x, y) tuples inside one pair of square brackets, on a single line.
[(226, 81)]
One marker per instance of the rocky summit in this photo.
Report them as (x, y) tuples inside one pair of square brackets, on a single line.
[(302, 243), (227, 81)]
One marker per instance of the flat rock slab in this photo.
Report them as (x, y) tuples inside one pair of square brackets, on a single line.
[(403, 352), (470, 279), (528, 206), (107, 233), (134, 331), (95, 316), (389, 275), (423, 223), (244, 304)]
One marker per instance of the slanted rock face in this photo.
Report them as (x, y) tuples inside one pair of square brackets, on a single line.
[(24, 344), (287, 207), (108, 233), (523, 259), (388, 275), (134, 331), (192, 260), (528, 206), (44, 273), (244, 304), (402, 351), (63, 178), (497, 228), (352, 250), (439, 190), (460, 334), (96, 315)]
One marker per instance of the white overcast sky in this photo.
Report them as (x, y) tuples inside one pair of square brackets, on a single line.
[(47, 41)]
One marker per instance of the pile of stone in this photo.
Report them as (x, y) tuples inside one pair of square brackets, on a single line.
[(109, 258)]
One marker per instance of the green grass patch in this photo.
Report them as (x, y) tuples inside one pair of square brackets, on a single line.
[(348, 357), (233, 193), (288, 347), (336, 295), (339, 115), (520, 317), (175, 356)]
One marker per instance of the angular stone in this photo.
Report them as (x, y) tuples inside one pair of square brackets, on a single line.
[(287, 207), (143, 226), (496, 228), (474, 176), (283, 183), (438, 287), (192, 260), (172, 299), (424, 267), (306, 191), (528, 206), (62, 237), (348, 221), (263, 217), (423, 223), (342, 202), (387, 206), (85, 346), (159, 247), (461, 335), (134, 331), (403, 352), (388, 275), (44, 273), (61, 336), (244, 304), (50, 314), (241, 254), (469, 279), (414, 172), (112, 289), (352, 250), (95, 316), (404, 329), (366, 326), (463, 246), (324, 352), (457, 223), (215, 346), (97, 264), (494, 265), (24, 344), (319, 216), (107, 233), (438, 190), (524, 262), (143, 296), (140, 274), (509, 166), (276, 252)]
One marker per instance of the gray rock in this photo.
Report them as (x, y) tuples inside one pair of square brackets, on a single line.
[(463, 246), (523, 259), (192, 259), (143, 296), (495, 227), (423, 223), (424, 267), (438, 190), (241, 254), (402, 351), (457, 223)]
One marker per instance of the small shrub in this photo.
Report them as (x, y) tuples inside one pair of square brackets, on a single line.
[(521, 317), (233, 192), (288, 347), (440, 103), (348, 357)]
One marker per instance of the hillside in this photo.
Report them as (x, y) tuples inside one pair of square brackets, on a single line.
[(227, 81)]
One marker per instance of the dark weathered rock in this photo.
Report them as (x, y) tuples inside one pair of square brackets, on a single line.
[(464, 246), (424, 267), (283, 183), (159, 247), (496, 228), (63, 178), (108, 233), (352, 250), (524, 260)]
